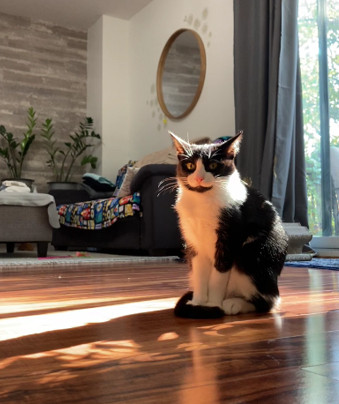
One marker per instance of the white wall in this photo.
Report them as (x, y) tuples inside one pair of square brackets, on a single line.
[(95, 79), (132, 121), (150, 29), (108, 100)]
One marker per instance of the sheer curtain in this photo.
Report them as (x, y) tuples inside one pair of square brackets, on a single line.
[(268, 103)]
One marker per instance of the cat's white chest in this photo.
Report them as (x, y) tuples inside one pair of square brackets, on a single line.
[(199, 213), (199, 219)]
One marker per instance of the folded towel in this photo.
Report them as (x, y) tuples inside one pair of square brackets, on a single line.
[(98, 178), (14, 186), (98, 183), (9, 183)]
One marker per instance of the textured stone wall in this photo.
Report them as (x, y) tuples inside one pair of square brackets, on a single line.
[(43, 66)]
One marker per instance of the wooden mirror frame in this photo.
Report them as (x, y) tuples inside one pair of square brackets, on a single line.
[(160, 71)]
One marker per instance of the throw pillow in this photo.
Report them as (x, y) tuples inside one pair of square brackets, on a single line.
[(125, 188), (121, 176), (165, 156)]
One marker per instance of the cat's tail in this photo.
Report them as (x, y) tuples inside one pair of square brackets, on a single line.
[(186, 310)]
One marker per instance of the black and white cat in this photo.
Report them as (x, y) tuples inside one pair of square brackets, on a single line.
[(235, 243)]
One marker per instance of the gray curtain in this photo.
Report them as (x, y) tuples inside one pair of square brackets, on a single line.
[(268, 103)]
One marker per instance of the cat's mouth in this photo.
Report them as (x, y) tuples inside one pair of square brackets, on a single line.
[(199, 188)]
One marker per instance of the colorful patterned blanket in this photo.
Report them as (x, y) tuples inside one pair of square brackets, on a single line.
[(99, 214)]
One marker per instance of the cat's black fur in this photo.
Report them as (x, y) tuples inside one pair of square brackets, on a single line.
[(249, 241)]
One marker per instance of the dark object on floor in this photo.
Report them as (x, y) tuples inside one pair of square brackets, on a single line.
[(26, 247), (318, 263)]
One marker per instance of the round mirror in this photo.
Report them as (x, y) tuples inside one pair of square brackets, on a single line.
[(181, 73)]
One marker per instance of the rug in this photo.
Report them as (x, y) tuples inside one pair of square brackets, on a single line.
[(318, 263), (73, 259)]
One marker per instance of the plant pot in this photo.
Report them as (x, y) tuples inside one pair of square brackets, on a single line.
[(67, 192), (56, 185)]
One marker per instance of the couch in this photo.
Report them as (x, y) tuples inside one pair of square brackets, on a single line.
[(156, 232)]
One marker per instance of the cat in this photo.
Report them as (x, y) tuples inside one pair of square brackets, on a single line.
[(235, 242)]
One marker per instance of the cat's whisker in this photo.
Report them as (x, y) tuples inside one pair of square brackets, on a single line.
[(166, 185), (168, 179), (169, 188), (183, 180), (219, 180)]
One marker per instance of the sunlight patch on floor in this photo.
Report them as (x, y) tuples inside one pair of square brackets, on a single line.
[(27, 306), (28, 325)]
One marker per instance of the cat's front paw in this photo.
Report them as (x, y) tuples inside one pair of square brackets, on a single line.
[(191, 299), (232, 306), (214, 304), (197, 302), (236, 305), (185, 307)]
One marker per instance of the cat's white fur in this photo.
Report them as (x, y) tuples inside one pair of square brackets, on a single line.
[(198, 213)]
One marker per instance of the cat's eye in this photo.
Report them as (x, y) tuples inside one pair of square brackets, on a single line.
[(213, 166), (190, 166)]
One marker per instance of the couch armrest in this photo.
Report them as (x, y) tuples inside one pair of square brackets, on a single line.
[(159, 227), (150, 170)]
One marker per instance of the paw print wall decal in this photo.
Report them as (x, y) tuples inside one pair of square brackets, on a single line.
[(200, 24)]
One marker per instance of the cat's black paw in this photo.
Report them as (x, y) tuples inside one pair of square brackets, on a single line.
[(183, 309)]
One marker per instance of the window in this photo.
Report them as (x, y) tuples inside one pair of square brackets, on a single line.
[(319, 60)]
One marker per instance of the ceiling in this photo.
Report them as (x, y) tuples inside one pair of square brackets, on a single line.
[(78, 14)]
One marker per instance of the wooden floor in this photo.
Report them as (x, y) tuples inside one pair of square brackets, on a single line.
[(108, 335)]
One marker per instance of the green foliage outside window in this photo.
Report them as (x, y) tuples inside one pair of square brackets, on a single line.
[(309, 60)]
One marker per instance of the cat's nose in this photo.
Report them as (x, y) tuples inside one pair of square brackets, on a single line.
[(199, 180)]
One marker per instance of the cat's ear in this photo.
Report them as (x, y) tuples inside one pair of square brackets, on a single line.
[(181, 146), (232, 146)]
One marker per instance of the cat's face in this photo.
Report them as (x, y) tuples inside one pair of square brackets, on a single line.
[(201, 167)]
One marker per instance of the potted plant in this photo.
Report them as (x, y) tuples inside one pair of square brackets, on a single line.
[(62, 159), (13, 151)]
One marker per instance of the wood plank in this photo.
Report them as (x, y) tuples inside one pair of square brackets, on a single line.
[(108, 335)]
